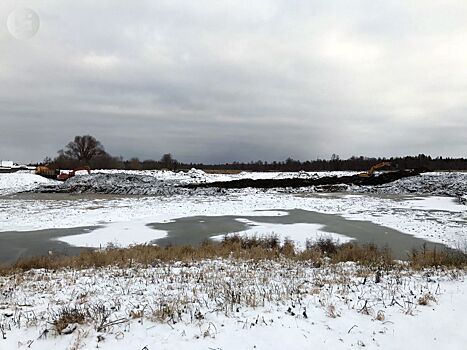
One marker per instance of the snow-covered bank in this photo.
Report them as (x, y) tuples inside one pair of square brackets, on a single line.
[(167, 183), (21, 181), (197, 175), (229, 304), (453, 184), (157, 182)]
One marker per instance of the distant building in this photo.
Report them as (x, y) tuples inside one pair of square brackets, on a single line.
[(7, 163)]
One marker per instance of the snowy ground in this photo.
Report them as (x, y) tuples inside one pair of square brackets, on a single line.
[(20, 181), (234, 305), (196, 175), (435, 218), (453, 184)]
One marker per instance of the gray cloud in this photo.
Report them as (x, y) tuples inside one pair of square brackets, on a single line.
[(218, 81)]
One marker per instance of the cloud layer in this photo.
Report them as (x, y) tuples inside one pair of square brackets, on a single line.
[(218, 81)]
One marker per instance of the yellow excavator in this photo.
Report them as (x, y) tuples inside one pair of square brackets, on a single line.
[(372, 170), (55, 174), (47, 172)]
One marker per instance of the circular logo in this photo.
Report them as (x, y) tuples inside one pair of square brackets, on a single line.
[(23, 23)]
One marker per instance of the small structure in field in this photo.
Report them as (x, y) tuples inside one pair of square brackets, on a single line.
[(6, 164)]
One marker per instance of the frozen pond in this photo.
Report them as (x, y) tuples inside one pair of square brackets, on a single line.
[(15, 245), (297, 225), (305, 224), (36, 223)]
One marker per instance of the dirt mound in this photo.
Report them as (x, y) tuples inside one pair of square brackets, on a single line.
[(309, 182), (402, 182), (122, 184), (436, 184)]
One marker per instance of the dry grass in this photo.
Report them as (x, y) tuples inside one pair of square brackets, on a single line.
[(423, 258), (367, 254), (426, 299), (68, 316), (201, 293), (234, 246)]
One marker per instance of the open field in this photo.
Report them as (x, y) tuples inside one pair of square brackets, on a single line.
[(235, 290), (231, 303)]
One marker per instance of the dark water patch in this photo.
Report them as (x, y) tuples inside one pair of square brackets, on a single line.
[(15, 245), (196, 229)]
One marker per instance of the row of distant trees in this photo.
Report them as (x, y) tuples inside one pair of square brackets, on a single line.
[(87, 150), (354, 163)]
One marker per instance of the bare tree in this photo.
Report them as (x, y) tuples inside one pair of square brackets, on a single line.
[(135, 164), (168, 162), (84, 149)]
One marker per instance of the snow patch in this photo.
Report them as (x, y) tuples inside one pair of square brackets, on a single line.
[(436, 203), (297, 233), (120, 234)]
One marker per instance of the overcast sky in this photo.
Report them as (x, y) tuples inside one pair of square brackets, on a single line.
[(217, 81)]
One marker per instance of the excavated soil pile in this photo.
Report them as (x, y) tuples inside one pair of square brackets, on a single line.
[(299, 182)]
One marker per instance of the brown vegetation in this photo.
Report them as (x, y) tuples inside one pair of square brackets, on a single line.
[(422, 258), (66, 317), (234, 246)]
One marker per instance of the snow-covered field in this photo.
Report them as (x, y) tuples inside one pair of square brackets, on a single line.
[(229, 304), (20, 181)]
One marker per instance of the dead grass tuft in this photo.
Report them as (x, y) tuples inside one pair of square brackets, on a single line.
[(68, 316), (426, 299)]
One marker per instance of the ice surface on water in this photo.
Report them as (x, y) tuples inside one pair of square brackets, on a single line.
[(439, 219)]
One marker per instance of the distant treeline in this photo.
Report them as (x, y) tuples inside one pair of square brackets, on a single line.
[(87, 150), (335, 163)]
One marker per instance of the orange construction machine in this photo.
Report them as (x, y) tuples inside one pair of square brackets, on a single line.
[(55, 174), (375, 167)]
